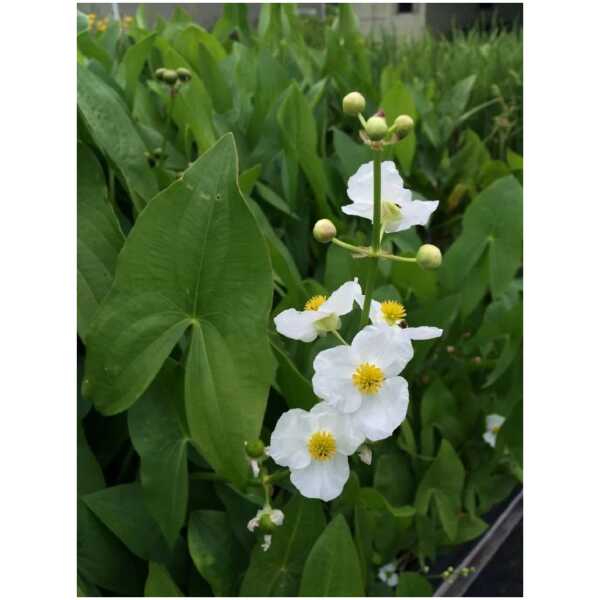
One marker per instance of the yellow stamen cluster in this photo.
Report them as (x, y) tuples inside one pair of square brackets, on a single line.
[(368, 378), (495, 429), (315, 302), (321, 445), (392, 311)]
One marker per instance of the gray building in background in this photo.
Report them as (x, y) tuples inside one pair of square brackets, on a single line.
[(402, 18)]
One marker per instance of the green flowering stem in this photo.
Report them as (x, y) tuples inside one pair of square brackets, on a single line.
[(398, 258), (351, 247), (362, 120), (339, 337), (376, 237), (163, 145)]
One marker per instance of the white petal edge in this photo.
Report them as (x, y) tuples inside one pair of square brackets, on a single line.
[(342, 300), (288, 446), (323, 480), (298, 325)]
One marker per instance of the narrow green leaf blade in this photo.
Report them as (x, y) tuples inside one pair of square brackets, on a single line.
[(159, 583)]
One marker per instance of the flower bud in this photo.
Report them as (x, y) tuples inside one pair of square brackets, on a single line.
[(353, 103), (365, 454), (255, 449), (376, 128), (403, 125), (170, 76), (429, 257), (159, 73), (324, 231), (183, 74)]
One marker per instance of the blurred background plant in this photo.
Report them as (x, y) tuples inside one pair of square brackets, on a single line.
[(278, 87)]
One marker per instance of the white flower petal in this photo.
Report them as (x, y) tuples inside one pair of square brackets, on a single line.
[(381, 413), (494, 421), (289, 439), (266, 542), (415, 212), (298, 325), (324, 480), (277, 517), (327, 418), (358, 209), (377, 344), (332, 380), (490, 438), (342, 300), (423, 333)]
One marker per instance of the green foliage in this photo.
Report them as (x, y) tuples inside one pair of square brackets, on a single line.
[(195, 211)]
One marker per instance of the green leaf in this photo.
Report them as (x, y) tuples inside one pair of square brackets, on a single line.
[(295, 388), (350, 153), (215, 552), (470, 527), (299, 134), (113, 130), (332, 567), (448, 511), (277, 572), (394, 479), (413, 585), (101, 558), (195, 261), (99, 238), (159, 583), (398, 101), (121, 508), (493, 223), (133, 63), (374, 500), (446, 474), (275, 200), (82, 22), (158, 433)]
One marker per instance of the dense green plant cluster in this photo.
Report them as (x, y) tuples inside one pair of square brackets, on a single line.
[(196, 202)]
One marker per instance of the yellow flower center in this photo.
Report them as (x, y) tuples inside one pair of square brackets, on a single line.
[(321, 445), (496, 429), (368, 378), (392, 311), (315, 302)]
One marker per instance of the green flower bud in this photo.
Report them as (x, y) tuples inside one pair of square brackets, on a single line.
[(266, 524), (429, 257), (183, 74), (353, 103), (324, 231), (159, 73), (376, 558), (376, 128), (255, 449), (403, 125), (170, 76)]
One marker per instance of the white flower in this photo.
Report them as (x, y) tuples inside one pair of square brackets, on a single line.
[(315, 446), (388, 574), (255, 467), (398, 210), (361, 380), (320, 314), (492, 426), (276, 516), (393, 313)]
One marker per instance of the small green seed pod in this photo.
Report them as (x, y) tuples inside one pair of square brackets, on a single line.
[(403, 125), (170, 76), (159, 73), (184, 74), (376, 128), (353, 103), (429, 257), (266, 524), (324, 231), (255, 449)]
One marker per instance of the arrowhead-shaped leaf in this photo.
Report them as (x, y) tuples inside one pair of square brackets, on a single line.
[(195, 263)]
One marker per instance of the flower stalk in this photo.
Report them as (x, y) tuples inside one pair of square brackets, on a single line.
[(376, 237)]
